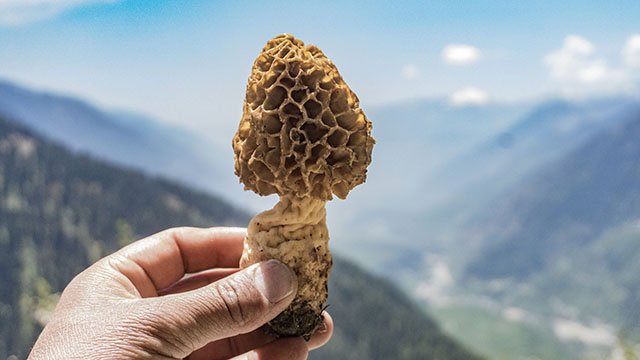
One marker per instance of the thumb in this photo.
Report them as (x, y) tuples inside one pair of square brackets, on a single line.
[(237, 304)]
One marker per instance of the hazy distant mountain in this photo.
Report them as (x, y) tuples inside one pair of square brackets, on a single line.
[(539, 236), (570, 233), (121, 137), (453, 162), (547, 132), (568, 203), (60, 211), (415, 139), (380, 222)]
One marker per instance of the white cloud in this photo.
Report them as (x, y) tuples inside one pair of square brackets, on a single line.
[(436, 288), (410, 71), (578, 45), (574, 61), (460, 54), (469, 96), (631, 51), (595, 335), (578, 69), (22, 12), (516, 314)]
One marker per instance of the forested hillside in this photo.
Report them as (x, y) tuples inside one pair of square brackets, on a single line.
[(59, 212)]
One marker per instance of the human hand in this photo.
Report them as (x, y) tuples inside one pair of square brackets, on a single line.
[(138, 303)]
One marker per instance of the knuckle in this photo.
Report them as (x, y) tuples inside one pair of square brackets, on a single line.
[(230, 298), (237, 302), (176, 231)]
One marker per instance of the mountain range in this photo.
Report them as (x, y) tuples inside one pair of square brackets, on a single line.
[(122, 137), (60, 211), (572, 229), (461, 160), (513, 214), (524, 229), (549, 242)]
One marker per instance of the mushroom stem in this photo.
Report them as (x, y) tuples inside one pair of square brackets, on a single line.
[(295, 233)]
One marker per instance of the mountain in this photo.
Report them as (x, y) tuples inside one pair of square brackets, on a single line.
[(381, 324), (452, 164), (121, 137), (431, 132), (497, 218), (469, 184), (545, 133), (567, 204), (564, 243), (60, 211), (382, 222)]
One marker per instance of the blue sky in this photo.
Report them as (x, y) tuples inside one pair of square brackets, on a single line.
[(186, 62)]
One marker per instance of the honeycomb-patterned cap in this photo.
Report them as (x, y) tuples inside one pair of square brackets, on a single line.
[(302, 131)]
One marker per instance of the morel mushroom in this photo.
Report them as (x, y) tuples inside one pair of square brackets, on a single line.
[(304, 137)]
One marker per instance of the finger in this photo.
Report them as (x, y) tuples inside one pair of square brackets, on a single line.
[(161, 259), (323, 333), (237, 304), (197, 280), (281, 349), (230, 347)]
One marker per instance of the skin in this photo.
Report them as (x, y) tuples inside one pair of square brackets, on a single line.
[(176, 294)]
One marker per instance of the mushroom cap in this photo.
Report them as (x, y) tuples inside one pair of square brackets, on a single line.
[(302, 131)]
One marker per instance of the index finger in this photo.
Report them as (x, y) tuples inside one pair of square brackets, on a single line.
[(163, 258)]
